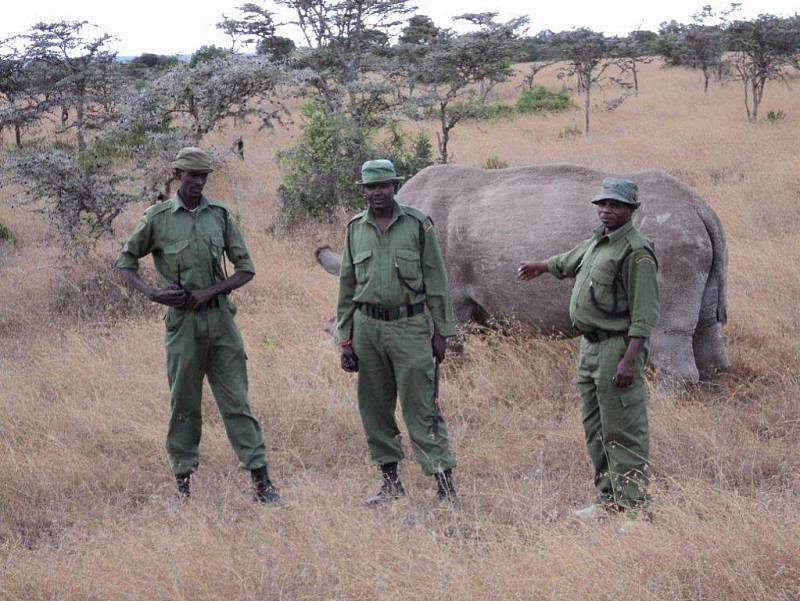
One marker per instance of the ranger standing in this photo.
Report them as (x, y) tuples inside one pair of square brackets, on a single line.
[(614, 305), (188, 236), (392, 268)]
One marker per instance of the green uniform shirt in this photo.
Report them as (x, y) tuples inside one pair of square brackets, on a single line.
[(373, 264), (187, 242), (594, 265)]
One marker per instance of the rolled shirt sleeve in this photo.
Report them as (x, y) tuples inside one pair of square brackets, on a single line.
[(434, 276), (641, 283), (566, 264), (138, 245), (345, 306), (236, 248)]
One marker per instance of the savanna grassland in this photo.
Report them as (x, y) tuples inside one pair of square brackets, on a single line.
[(87, 510)]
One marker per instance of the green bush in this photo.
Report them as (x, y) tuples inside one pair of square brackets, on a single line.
[(539, 99), (473, 108), (494, 163), (6, 235), (323, 168), (775, 116)]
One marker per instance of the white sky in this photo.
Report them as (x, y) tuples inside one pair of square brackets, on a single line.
[(182, 26)]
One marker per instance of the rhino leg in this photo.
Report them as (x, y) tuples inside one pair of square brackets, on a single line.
[(709, 350), (466, 309), (673, 356)]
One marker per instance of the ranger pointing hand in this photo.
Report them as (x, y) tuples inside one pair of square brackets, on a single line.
[(614, 304)]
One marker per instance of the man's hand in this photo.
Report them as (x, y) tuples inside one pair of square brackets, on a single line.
[(195, 299), (349, 359), (171, 297), (623, 375), (528, 271), (439, 344)]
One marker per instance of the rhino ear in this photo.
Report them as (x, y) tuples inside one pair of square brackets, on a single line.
[(330, 261)]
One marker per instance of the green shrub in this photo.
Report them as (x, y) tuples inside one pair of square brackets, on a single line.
[(6, 235), (323, 168), (539, 99), (775, 116), (494, 163), (473, 108)]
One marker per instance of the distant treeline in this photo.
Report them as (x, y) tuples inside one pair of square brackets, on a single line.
[(364, 67)]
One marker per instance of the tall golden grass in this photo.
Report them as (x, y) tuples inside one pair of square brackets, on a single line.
[(86, 499)]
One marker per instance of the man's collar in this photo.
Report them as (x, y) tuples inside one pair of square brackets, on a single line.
[(618, 233), (177, 203), (369, 216)]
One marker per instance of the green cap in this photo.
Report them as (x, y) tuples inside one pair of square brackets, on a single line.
[(616, 188), (193, 159), (378, 171)]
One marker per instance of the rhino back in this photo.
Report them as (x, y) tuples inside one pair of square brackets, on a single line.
[(489, 220)]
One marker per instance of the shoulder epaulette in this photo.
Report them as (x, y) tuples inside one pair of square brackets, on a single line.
[(216, 203), (417, 214), (156, 209), (639, 241), (356, 216)]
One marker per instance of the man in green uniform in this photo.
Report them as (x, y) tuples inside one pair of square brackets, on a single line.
[(188, 236), (392, 268), (614, 305)]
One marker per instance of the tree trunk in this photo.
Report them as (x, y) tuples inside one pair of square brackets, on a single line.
[(758, 94), (18, 135), (587, 104), (79, 123), (635, 77), (444, 138), (705, 82)]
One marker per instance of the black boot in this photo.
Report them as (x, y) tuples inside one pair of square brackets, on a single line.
[(263, 490), (391, 487), (445, 489), (182, 480)]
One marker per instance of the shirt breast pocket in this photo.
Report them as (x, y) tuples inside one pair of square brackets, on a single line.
[(605, 289), (177, 256), (361, 262), (408, 265)]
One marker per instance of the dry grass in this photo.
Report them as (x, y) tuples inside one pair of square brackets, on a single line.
[(86, 507)]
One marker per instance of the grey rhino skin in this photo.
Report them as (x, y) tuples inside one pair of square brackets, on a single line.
[(489, 220)]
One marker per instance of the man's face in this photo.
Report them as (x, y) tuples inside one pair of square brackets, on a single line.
[(613, 214), (379, 196), (192, 183)]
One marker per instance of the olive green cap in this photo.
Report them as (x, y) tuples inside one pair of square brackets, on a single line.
[(378, 171), (192, 159), (616, 188)]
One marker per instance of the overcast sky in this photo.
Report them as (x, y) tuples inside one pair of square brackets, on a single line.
[(181, 26)]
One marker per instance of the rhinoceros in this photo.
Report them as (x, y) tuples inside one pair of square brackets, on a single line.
[(489, 220)]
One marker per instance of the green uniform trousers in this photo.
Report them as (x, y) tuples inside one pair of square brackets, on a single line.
[(208, 343), (394, 357), (615, 423)]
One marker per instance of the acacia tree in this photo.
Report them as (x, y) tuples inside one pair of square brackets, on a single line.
[(184, 104), (588, 55), (84, 197), (346, 67), (26, 90), (459, 72), (634, 50), (86, 64), (763, 48)]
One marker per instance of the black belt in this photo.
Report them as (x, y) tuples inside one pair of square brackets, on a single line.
[(600, 335), (212, 304), (393, 314)]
